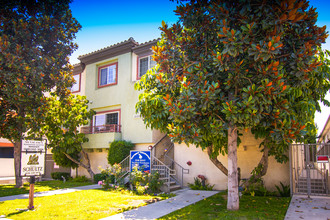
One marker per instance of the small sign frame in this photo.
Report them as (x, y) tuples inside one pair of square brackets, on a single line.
[(33, 158), (322, 158), (141, 159)]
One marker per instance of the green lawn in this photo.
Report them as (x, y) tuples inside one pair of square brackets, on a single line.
[(87, 204), (8, 190), (250, 208)]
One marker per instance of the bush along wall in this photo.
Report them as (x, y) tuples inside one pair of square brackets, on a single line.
[(118, 151)]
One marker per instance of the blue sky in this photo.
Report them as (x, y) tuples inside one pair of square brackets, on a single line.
[(106, 22)]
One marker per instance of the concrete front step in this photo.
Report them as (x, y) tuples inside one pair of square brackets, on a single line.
[(174, 187)]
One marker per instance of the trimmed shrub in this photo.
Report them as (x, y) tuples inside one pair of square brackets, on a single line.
[(118, 150), (80, 179), (58, 175)]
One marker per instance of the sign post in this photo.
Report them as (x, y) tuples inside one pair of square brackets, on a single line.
[(33, 163), (141, 159)]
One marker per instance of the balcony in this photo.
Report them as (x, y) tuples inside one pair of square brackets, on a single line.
[(112, 128)]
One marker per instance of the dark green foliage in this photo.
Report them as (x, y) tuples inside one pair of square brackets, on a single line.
[(284, 191), (154, 183), (60, 175), (257, 188), (199, 186), (36, 39), (63, 161), (99, 177), (103, 177), (145, 182), (118, 151), (80, 179)]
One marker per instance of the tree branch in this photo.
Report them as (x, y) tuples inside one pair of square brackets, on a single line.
[(216, 162)]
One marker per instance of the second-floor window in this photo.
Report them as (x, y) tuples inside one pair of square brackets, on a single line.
[(145, 63), (106, 119), (76, 86), (108, 122), (108, 75)]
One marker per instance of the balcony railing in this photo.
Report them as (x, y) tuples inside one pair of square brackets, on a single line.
[(101, 129)]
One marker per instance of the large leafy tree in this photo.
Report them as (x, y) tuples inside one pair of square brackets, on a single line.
[(229, 66), (61, 124), (35, 42)]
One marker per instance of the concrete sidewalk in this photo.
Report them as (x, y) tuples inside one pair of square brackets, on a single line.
[(315, 208), (183, 198), (50, 193)]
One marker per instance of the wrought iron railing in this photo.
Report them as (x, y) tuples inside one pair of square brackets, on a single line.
[(124, 164), (164, 171), (179, 170), (101, 129)]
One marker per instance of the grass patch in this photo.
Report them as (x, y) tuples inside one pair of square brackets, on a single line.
[(86, 204), (9, 190), (215, 207)]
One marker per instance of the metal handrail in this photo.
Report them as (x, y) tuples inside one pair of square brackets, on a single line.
[(181, 170), (101, 129), (124, 164)]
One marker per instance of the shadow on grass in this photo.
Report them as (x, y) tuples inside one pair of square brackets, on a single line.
[(16, 213)]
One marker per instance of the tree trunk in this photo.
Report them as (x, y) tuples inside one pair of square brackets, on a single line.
[(87, 167), (216, 162), (264, 167), (233, 198), (17, 164)]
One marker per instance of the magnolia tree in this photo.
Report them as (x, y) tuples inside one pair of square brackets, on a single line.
[(61, 124), (35, 42), (229, 66)]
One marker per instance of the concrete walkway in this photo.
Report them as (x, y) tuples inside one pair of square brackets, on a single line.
[(50, 193), (315, 208), (156, 210)]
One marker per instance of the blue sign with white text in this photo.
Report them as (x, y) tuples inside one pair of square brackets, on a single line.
[(141, 159)]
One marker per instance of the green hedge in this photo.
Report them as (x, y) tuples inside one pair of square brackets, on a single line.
[(118, 150), (58, 175), (99, 177), (103, 176)]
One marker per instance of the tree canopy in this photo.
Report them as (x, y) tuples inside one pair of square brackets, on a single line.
[(36, 38), (229, 66), (63, 117)]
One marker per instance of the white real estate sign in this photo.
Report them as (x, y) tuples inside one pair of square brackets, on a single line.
[(33, 158)]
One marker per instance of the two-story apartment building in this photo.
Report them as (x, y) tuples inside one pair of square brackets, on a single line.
[(107, 78)]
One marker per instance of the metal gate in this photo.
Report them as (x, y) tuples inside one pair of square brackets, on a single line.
[(309, 169)]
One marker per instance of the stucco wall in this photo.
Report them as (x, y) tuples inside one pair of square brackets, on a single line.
[(247, 160), (101, 159), (122, 96), (7, 165), (97, 159)]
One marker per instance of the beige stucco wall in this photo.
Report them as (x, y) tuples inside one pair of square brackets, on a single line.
[(7, 165), (101, 140), (98, 158), (247, 160)]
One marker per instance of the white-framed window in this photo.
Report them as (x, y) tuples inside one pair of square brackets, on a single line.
[(144, 64), (76, 86), (107, 75), (108, 121)]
